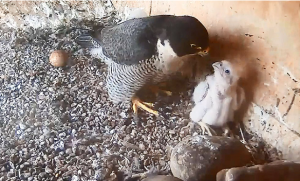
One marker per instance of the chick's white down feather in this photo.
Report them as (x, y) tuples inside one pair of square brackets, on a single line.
[(218, 96)]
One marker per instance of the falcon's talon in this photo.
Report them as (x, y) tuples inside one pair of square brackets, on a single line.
[(169, 93), (156, 89), (149, 104), (138, 103)]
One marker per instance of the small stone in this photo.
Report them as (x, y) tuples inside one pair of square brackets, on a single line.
[(63, 134), (2, 169), (10, 174), (42, 175), (133, 132), (68, 151), (22, 126), (48, 170), (27, 175), (172, 132), (142, 146), (3, 178)]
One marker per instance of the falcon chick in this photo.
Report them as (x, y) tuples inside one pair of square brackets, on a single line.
[(217, 97), (144, 50)]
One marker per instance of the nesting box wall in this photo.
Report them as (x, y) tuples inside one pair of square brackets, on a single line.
[(263, 40)]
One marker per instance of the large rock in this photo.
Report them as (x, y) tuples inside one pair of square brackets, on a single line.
[(161, 178), (275, 171), (202, 157)]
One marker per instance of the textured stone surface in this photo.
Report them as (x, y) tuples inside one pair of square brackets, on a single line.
[(202, 157), (45, 14), (263, 40), (161, 178), (275, 171)]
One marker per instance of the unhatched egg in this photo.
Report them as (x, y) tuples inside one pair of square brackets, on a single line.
[(58, 58)]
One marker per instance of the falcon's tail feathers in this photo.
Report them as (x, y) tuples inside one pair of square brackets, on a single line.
[(88, 41)]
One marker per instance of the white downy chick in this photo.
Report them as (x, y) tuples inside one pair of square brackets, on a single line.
[(217, 97)]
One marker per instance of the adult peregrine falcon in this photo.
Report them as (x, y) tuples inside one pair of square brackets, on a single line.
[(144, 50)]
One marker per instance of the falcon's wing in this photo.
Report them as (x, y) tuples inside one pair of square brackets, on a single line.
[(239, 98), (200, 91), (128, 42), (202, 100)]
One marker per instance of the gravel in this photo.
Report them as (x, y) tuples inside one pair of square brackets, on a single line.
[(58, 123)]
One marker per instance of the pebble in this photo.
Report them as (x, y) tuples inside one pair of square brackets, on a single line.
[(202, 157), (27, 175), (172, 132), (9, 174), (69, 151), (42, 175), (63, 134), (22, 126), (142, 146), (48, 170)]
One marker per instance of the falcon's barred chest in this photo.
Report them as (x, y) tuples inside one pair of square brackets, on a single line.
[(124, 81)]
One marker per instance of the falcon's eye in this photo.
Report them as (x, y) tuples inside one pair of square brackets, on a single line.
[(227, 71), (193, 45)]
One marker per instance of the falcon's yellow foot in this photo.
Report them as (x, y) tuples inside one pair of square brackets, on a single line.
[(137, 103), (156, 90)]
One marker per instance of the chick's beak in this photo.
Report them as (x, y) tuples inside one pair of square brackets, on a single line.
[(216, 65)]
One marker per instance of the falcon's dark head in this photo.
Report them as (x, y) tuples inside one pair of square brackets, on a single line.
[(187, 35)]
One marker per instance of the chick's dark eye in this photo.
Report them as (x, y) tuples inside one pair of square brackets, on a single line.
[(227, 71)]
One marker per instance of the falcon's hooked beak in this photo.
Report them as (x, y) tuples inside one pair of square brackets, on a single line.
[(201, 52), (204, 52)]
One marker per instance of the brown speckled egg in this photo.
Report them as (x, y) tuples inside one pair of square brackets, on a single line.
[(58, 58)]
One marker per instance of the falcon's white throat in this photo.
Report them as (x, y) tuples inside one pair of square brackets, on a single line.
[(169, 62), (98, 53)]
